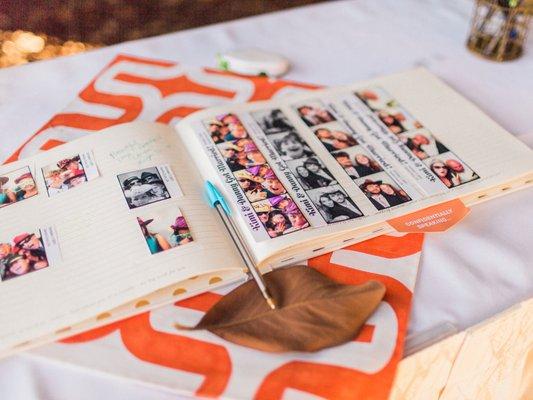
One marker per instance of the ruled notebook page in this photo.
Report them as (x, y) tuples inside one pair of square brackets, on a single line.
[(102, 259)]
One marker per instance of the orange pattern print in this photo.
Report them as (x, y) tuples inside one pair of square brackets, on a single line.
[(173, 84), (132, 88), (327, 381), (326, 376), (140, 339)]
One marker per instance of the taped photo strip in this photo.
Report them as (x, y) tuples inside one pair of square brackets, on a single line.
[(260, 196), (28, 252), (412, 135), (16, 186), (305, 166), (149, 185), (164, 228), (382, 190), (69, 172)]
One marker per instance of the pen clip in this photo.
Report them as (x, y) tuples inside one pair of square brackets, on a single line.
[(214, 197)]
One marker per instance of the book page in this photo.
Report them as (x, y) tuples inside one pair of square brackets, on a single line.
[(337, 160), (98, 222)]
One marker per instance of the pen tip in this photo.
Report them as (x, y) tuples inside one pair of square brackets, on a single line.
[(271, 303)]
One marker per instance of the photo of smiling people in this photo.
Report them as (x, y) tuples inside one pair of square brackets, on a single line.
[(259, 183), (164, 229), (280, 215), (356, 162), (398, 120), (334, 204), (314, 113), (311, 173), (69, 173), (142, 187), (272, 121), (422, 143), (226, 128), (334, 137), (290, 145), (450, 169), (240, 154), (28, 252), (16, 186), (376, 98), (382, 191), (387, 109)]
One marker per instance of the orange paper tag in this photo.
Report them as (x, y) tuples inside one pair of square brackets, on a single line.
[(437, 218)]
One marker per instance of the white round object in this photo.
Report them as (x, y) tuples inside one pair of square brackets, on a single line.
[(254, 62)]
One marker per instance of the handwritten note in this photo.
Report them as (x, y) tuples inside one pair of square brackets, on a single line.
[(139, 152)]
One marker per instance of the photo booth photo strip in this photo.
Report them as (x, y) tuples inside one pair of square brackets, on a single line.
[(69, 172), (28, 251), (149, 185), (164, 228), (16, 186)]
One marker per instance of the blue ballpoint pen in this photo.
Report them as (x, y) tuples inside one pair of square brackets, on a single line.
[(217, 201)]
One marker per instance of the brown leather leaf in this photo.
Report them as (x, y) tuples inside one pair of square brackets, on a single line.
[(313, 312)]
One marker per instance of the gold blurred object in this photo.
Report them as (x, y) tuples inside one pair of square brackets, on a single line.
[(499, 28), (20, 47)]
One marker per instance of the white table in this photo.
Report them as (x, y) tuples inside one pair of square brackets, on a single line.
[(474, 271)]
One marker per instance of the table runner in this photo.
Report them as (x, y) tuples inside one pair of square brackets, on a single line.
[(147, 347)]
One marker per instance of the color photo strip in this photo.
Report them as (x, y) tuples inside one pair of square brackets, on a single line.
[(443, 163), (270, 202), (381, 190)]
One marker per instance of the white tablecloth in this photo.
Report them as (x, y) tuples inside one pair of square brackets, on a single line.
[(474, 271)]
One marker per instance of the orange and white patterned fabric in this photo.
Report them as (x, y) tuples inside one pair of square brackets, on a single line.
[(132, 88), (148, 347)]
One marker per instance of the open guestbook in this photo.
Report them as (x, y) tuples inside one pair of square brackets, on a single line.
[(112, 224)]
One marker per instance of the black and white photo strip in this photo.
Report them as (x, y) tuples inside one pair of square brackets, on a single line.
[(334, 204), (305, 165), (290, 146), (356, 161), (269, 198), (272, 121), (311, 173), (382, 191), (420, 141), (148, 185)]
